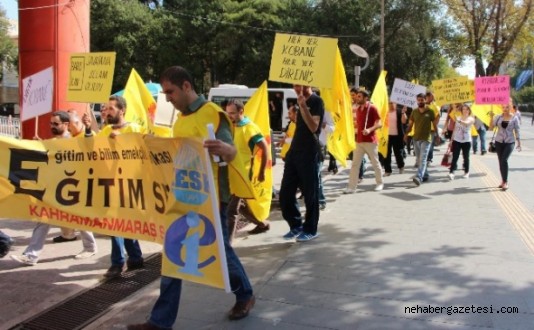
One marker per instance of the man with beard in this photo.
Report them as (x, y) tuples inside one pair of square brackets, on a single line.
[(116, 124), (195, 114), (367, 122), (59, 123), (421, 119)]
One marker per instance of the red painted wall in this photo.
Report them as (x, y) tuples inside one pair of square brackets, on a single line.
[(49, 31)]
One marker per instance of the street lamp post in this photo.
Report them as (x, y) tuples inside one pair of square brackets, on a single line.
[(360, 52)]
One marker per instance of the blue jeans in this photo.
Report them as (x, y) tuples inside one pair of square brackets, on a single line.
[(482, 136), (322, 199), (422, 148), (165, 310), (118, 244)]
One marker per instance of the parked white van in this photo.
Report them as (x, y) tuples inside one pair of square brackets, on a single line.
[(280, 99)]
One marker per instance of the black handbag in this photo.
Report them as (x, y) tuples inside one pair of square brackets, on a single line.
[(491, 147)]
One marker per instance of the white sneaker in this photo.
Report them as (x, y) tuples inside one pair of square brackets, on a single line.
[(379, 187), (451, 176), (24, 259), (466, 176), (349, 191), (85, 254)]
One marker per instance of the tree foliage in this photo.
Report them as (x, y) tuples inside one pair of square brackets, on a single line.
[(492, 27), (231, 41), (8, 50)]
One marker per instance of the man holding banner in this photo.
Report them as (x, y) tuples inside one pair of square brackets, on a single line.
[(195, 114), (117, 124)]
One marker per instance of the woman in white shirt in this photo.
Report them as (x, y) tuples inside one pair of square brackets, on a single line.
[(461, 140)]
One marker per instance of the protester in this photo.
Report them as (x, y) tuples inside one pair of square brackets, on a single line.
[(248, 140), (421, 120), (461, 141), (116, 125), (300, 167), (59, 123), (397, 120), (508, 133), (431, 103), (367, 121), (481, 130), (289, 131), (195, 114)]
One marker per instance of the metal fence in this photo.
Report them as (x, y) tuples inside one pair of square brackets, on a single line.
[(10, 126)]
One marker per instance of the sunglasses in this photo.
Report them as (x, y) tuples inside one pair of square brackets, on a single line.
[(55, 124)]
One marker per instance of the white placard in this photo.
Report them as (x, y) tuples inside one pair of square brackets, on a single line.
[(165, 113), (405, 92), (37, 94)]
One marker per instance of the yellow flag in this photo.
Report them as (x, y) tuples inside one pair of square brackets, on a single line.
[(338, 102), (482, 111), (380, 99), (257, 110), (141, 104)]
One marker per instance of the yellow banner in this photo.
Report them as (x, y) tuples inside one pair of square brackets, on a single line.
[(381, 100), (337, 101), (90, 77), (134, 186), (303, 60), (453, 90), (257, 109)]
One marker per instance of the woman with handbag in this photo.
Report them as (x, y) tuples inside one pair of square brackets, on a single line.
[(508, 133), (461, 140)]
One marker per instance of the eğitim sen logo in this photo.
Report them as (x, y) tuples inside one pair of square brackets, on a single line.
[(184, 240), (191, 185)]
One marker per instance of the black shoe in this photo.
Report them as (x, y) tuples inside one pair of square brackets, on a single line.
[(482, 152), (114, 271), (135, 264), (322, 206), (61, 239), (259, 229)]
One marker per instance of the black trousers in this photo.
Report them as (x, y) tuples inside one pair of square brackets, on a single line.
[(300, 171)]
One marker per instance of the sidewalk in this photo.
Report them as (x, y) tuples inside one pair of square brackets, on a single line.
[(378, 256)]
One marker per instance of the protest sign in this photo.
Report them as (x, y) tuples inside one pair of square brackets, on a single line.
[(405, 92), (303, 60), (492, 90), (453, 90), (91, 76), (37, 94)]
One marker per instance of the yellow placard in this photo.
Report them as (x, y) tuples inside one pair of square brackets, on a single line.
[(90, 77), (303, 60), (134, 186), (453, 90)]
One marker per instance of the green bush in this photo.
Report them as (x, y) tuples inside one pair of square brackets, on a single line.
[(524, 96)]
